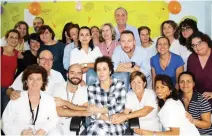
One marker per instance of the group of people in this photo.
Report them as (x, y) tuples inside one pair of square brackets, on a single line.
[(165, 82)]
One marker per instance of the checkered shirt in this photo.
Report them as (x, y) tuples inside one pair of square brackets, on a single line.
[(114, 99)]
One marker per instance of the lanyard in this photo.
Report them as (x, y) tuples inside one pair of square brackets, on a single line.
[(34, 120), (67, 93)]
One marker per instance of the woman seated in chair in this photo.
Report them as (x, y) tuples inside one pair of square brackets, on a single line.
[(106, 98), (172, 112), (142, 103), (34, 113)]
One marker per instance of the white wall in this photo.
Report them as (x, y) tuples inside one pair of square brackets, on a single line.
[(200, 9)]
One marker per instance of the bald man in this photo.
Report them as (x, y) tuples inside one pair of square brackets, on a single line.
[(71, 99), (121, 17), (45, 60)]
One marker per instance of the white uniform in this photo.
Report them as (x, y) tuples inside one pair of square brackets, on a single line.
[(172, 114), (80, 97), (150, 121), (17, 115)]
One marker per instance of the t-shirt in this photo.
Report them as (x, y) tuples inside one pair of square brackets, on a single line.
[(175, 62), (8, 68), (173, 115), (150, 121)]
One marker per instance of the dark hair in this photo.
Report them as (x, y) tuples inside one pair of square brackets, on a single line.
[(40, 19), (127, 32), (27, 28), (173, 25), (164, 38), (34, 36), (166, 80), (134, 74), (65, 29), (121, 8), (43, 28), (186, 23), (107, 60), (145, 28), (31, 69), (95, 27), (91, 41), (14, 31), (70, 27), (202, 36), (185, 73)]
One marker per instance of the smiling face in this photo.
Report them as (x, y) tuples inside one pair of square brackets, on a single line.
[(127, 42), (46, 60), (187, 32), (186, 83), (12, 39), (162, 91), (199, 46), (37, 23), (163, 46), (168, 30), (144, 36), (34, 81), (46, 36), (74, 34), (84, 36), (138, 84), (22, 29), (121, 17), (95, 32), (75, 74), (107, 32), (103, 71), (34, 45)]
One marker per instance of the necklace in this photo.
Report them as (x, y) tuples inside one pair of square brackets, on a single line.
[(166, 63), (108, 47)]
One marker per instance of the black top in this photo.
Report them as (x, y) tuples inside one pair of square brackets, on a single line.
[(28, 59)]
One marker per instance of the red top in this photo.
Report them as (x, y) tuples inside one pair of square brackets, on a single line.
[(8, 68)]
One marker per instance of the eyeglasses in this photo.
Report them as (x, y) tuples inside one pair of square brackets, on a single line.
[(46, 60), (186, 29), (198, 44)]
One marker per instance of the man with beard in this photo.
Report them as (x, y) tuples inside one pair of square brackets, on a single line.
[(71, 99), (128, 57), (37, 23)]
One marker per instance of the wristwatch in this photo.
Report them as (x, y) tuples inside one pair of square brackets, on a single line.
[(133, 64)]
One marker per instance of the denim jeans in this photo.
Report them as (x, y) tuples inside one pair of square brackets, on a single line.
[(4, 99)]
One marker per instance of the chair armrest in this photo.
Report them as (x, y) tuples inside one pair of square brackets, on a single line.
[(134, 123), (75, 124)]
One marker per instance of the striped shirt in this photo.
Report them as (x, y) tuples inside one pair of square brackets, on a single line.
[(197, 106)]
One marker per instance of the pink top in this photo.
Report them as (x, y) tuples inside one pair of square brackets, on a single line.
[(108, 51)]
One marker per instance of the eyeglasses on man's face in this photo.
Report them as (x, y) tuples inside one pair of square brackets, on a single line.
[(46, 60)]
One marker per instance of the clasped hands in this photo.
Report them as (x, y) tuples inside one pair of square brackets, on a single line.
[(114, 119)]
